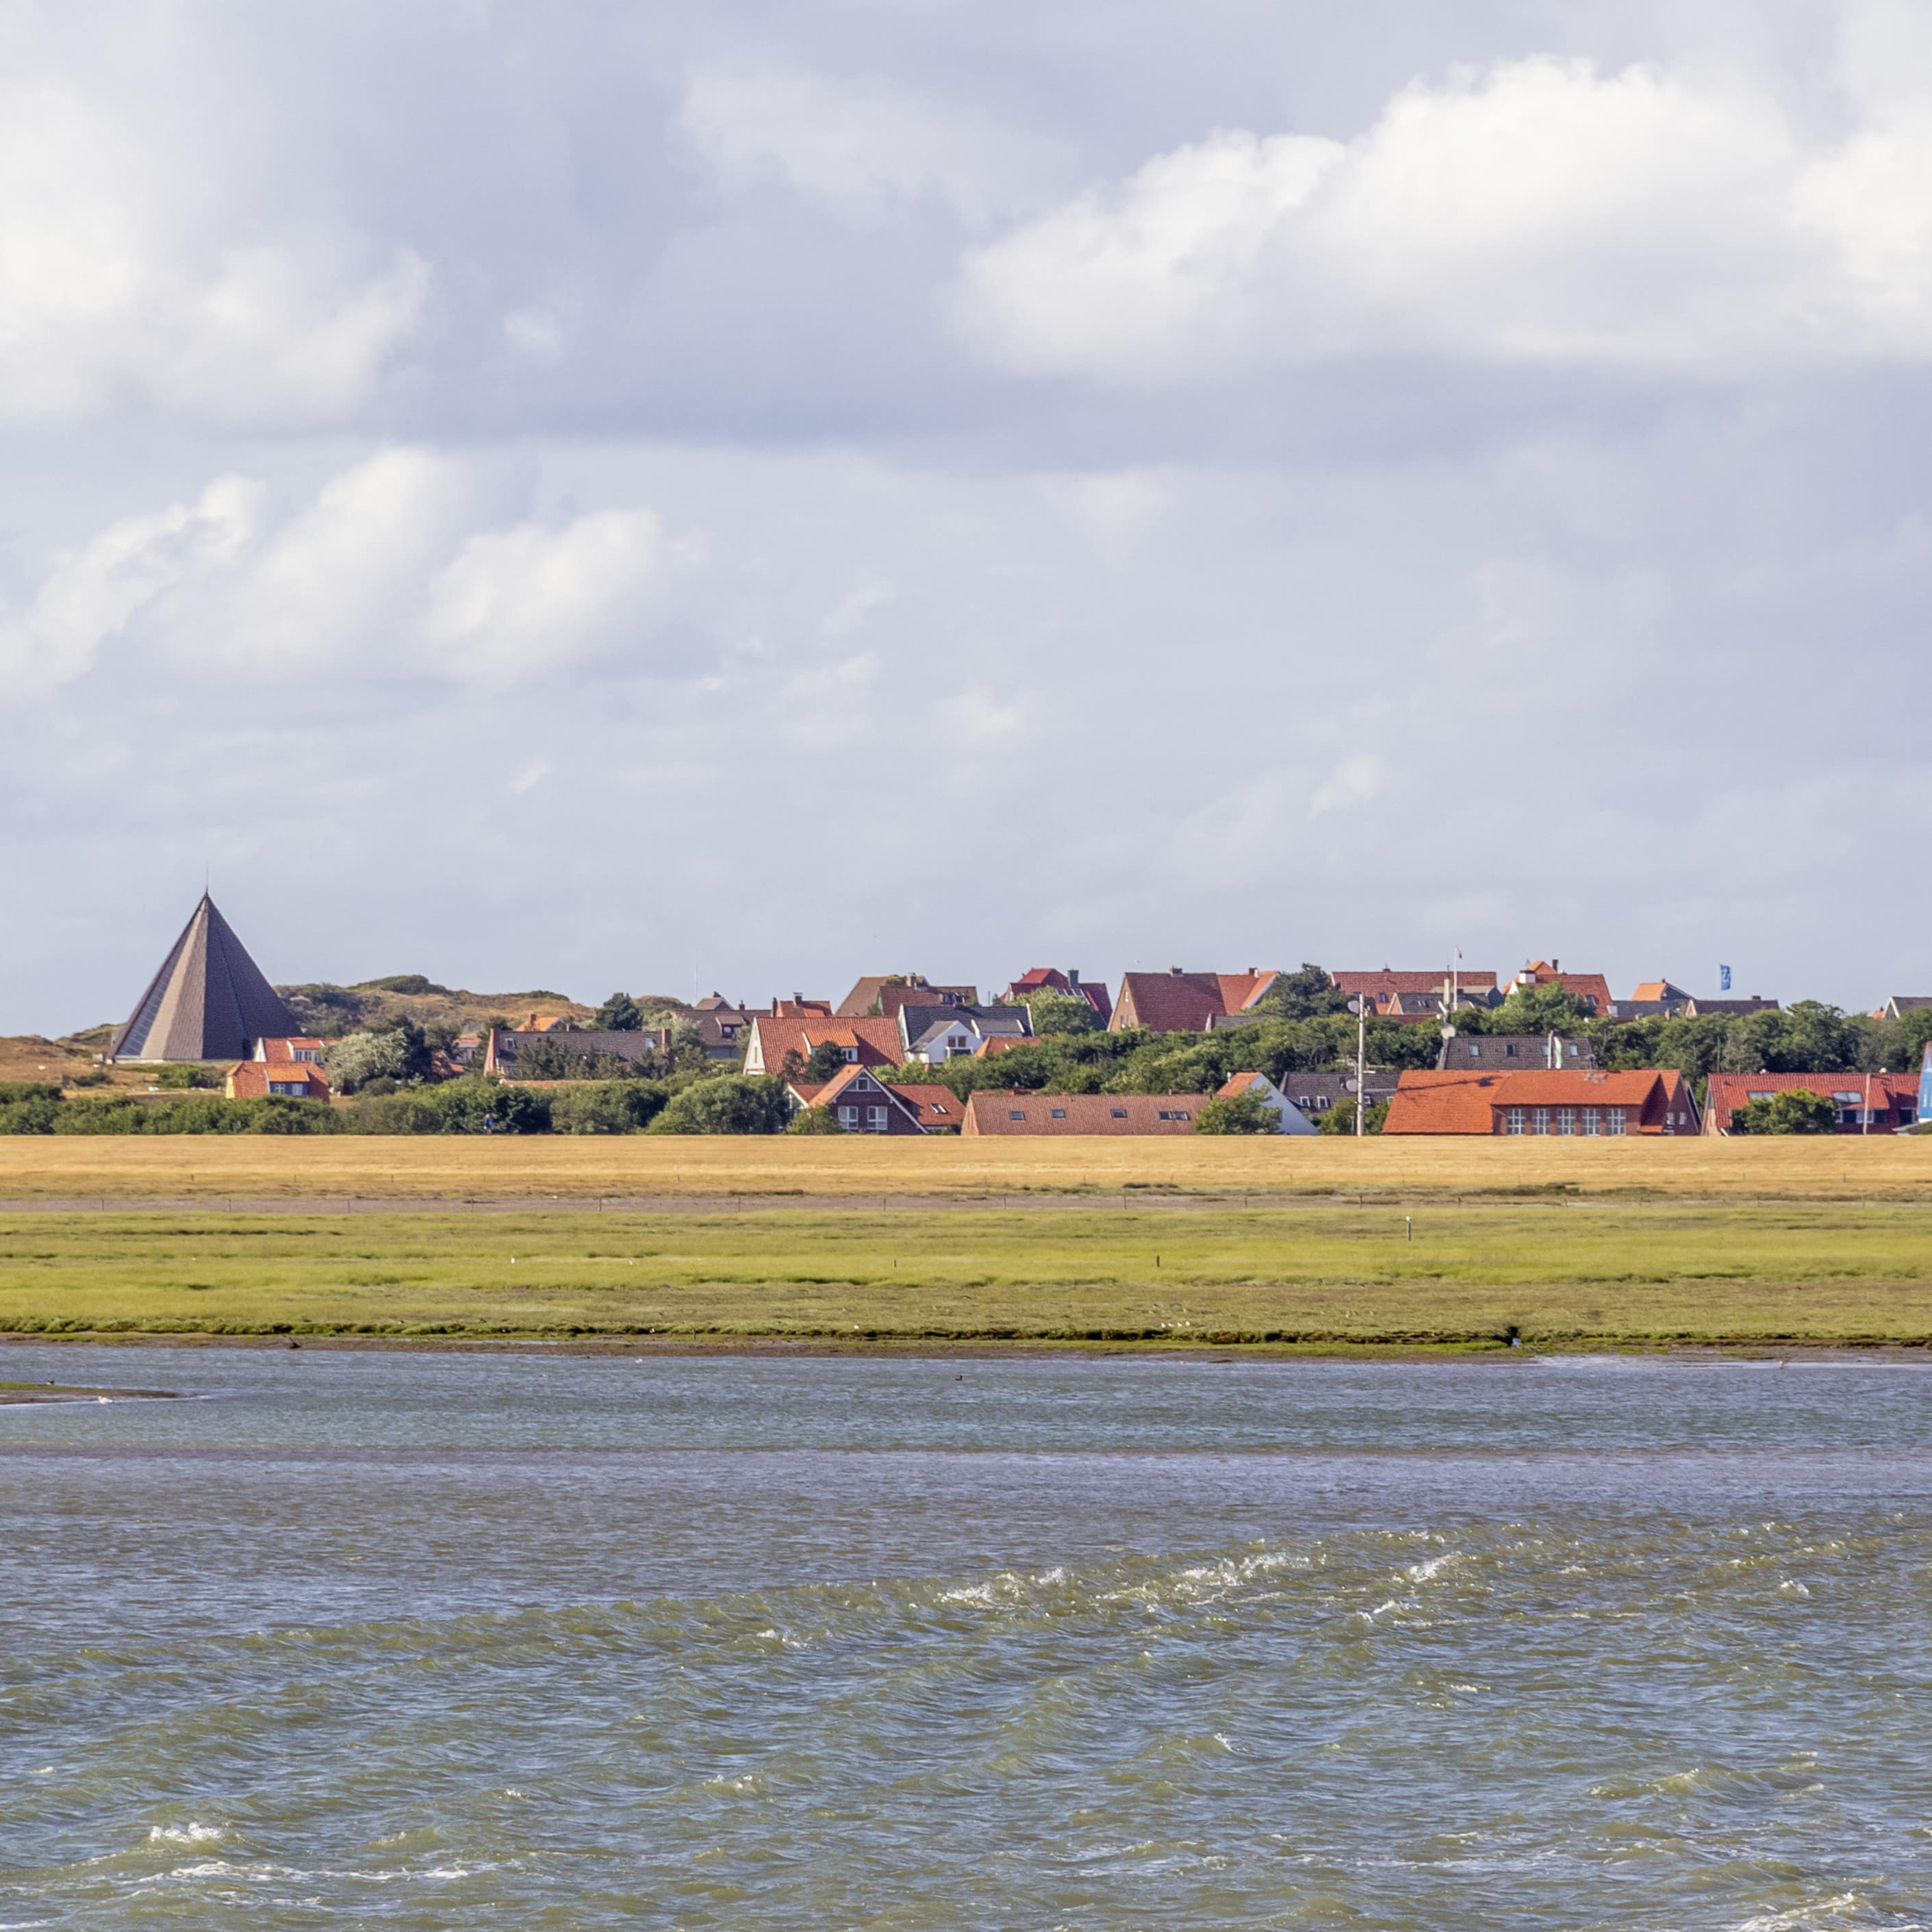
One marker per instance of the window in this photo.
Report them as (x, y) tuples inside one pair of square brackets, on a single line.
[(1613, 1119), (307, 1053), (1059, 1113), (848, 1117), (1509, 1049), (1117, 1113), (958, 1042), (1475, 1051), (1539, 1120), (1593, 1120), (851, 1054), (1566, 1120), (1760, 1096), (1018, 1114), (288, 1087), (1907, 1113), (1514, 1121), (1851, 1099), (1184, 1115), (1164, 1114), (875, 1120)]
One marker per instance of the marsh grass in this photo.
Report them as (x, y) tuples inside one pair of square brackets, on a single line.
[(1560, 1275)]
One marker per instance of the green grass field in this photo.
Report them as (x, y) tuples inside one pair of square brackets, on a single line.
[(1563, 1274)]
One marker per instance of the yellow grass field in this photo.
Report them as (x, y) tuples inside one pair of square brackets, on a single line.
[(460, 1167)]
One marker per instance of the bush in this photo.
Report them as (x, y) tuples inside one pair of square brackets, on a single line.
[(613, 1107), (278, 1114), (1796, 1111), (468, 1106), (815, 1120), (184, 1074), (13, 1091), (1244, 1114), (1340, 1118), (400, 982), (397, 1051), (38, 1115), (736, 1104)]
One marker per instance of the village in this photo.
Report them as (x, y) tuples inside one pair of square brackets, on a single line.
[(1452, 1050)]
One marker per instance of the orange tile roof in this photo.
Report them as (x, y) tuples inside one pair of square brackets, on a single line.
[(249, 1079), (877, 1040), (1447, 1102), (1384, 982)]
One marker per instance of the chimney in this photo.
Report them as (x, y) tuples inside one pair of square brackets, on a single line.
[(1176, 971)]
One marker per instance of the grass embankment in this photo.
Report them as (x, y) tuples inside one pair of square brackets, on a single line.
[(58, 1167), (1562, 1274)]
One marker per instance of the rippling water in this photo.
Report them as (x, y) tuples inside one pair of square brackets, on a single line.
[(515, 1641)]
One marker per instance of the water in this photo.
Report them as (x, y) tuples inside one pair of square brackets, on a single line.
[(511, 1642)]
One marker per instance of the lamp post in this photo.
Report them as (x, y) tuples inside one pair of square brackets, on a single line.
[(1359, 1006)]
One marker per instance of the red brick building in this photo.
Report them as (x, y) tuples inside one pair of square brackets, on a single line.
[(1875, 1102), (1585, 1105)]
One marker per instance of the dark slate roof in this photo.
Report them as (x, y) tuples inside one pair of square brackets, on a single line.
[(1509, 1053), (209, 1001), (1316, 1092)]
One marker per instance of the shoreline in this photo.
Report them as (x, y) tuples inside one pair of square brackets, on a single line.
[(1489, 1348)]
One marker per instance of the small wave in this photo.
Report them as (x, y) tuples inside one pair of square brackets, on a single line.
[(190, 1834)]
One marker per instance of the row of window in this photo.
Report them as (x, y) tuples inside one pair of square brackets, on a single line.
[(875, 1120), (1113, 1113), (1563, 1120)]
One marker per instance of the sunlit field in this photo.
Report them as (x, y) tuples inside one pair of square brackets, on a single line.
[(459, 1167)]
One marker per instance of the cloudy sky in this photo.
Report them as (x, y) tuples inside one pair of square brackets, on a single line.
[(610, 492)]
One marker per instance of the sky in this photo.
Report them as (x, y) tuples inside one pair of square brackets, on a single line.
[(615, 494)]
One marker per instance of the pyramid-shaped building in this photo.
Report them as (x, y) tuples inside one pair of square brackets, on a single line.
[(209, 1001)]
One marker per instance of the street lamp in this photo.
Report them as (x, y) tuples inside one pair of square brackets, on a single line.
[(1359, 1006)]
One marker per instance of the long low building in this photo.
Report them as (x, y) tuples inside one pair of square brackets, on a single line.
[(1032, 1114), (1587, 1105), (1874, 1103)]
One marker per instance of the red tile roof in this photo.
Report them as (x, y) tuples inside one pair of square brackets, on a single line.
[(877, 1040), (1383, 982), (1729, 1092), (1184, 1002), (1015, 1113)]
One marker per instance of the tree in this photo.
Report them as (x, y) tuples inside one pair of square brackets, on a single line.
[(1242, 1113), (1307, 994), (1340, 1118), (815, 1120), (828, 1059), (1053, 1011), (736, 1104), (1528, 1009), (358, 1058), (1796, 1111), (620, 1013)]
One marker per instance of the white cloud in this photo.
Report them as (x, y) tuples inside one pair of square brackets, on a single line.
[(386, 572), (89, 595), (131, 277), (1355, 781), (865, 146), (520, 601), (1543, 212)]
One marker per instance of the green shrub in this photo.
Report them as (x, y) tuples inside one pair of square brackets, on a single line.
[(185, 1074), (736, 1104), (37, 1116), (610, 1107), (1797, 1111), (13, 1091), (815, 1120), (1244, 1114), (467, 1106)]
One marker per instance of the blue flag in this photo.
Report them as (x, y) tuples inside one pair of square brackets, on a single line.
[(1724, 978)]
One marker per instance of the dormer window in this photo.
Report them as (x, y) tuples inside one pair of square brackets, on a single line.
[(851, 1054)]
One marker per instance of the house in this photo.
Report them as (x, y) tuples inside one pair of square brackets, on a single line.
[(1512, 1053), (1874, 1103), (276, 1073), (1900, 1004), (865, 996), (1592, 989), (1176, 1001), (1019, 1113), (933, 1034), (864, 1104), (503, 1046), (1587, 1105), (1422, 995), (722, 1029), (1051, 979), (798, 1005), (1698, 1009), (1289, 1119), (290, 1046), (1314, 1094), (865, 1039)]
